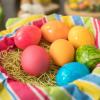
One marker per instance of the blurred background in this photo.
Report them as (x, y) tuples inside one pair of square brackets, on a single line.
[(25, 8)]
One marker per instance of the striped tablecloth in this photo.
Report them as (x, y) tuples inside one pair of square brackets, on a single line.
[(87, 88)]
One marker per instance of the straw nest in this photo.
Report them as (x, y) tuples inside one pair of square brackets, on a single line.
[(10, 60)]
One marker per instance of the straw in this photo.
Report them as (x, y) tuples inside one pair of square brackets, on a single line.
[(10, 60)]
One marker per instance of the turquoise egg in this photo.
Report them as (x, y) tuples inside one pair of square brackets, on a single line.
[(70, 72)]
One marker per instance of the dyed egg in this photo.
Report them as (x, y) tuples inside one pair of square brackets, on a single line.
[(27, 35), (54, 30), (70, 72), (62, 52), (80, 36), (35, 60), (88, 55)]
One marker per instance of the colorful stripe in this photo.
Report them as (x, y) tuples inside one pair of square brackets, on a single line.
[(89, 88), (88, 23), (40, 97), (92, 78), (76, 93), (57, 93), (77, 20), (25, 92), (42, 93), (4, 94), (7, 87), (67, 20), (58, 17), (93, 26), (98, 35), (96, 28)]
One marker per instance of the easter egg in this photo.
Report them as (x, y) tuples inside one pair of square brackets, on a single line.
[(71, 72), (62, 52), (88, 55), (35, 60), (80, 36), (73, 6), (82, 6), (27, 35), (54, 30)]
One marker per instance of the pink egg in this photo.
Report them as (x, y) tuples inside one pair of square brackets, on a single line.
[(35, 60), (27, 35)]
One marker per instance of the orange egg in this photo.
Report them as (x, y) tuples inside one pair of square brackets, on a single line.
[(54, 30), (62, 52), (80, 36)]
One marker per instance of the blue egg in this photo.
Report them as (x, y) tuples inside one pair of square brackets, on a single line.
[(70, 72)]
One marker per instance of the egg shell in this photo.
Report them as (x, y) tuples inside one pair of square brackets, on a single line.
[(26, 36), (70, 72), (35, 60), (79, 36), (54, 30), (62, 52)]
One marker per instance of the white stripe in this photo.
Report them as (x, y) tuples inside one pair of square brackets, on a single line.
[(94, 84), (97, 74), (46, 18), (10, 89), (1, 80), (61, 18), (82, 21), (66, 92), (98, 33), (91, 84), (37, 93), (88, 95), (94, 32), (44, 92), (13, 92), (73, 20)]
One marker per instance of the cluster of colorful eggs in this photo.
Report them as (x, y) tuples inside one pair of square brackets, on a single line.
[(35, 60), (79, 4)]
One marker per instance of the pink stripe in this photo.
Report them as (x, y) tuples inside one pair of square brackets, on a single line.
[(22, 91), (42, 93), (96, 38), (98, 21)]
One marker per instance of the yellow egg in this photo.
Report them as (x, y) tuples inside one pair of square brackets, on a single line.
[(80, 36), (62, 52), (73, 6)]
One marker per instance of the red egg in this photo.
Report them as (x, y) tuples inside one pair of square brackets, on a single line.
[(35, 60), (27, 35)]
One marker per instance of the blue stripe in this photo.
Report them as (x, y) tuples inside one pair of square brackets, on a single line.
[(77, 20), (92, 78), (0, 37), (2, 77), (76, 93), (8, 35), (6, 86), (58, 17)]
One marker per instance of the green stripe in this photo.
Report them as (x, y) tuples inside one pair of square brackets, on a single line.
[(88, 23), (57, 93)]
